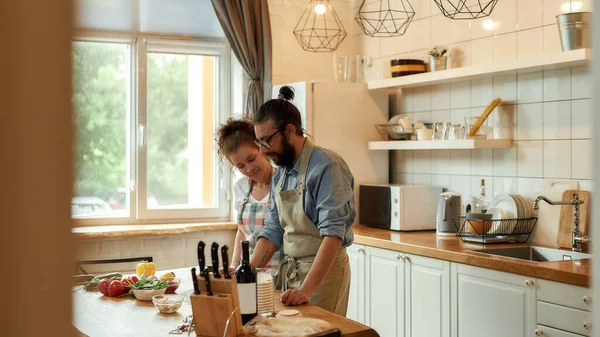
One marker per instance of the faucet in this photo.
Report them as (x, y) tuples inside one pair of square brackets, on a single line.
[(578, 239)]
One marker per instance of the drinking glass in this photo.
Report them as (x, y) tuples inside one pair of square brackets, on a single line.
[(341, 68), (483, 130), (264, 291)]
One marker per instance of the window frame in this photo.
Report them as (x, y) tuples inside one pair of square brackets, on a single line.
[(141, 44)]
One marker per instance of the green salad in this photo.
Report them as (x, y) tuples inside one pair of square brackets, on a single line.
[(149, 285)]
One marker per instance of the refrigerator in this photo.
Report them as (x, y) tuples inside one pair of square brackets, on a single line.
[(342, 117)]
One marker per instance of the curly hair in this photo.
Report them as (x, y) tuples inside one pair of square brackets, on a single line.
[(233, 134)]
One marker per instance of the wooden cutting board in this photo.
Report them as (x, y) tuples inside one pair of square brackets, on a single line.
[(565, 226), (546, 229)]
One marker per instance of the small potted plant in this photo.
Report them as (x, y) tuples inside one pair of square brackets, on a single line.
[(437, 58)]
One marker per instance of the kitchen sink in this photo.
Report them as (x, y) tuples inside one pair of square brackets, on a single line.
[(536, 254)]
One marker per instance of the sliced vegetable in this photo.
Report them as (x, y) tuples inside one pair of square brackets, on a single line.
[(167, 276)]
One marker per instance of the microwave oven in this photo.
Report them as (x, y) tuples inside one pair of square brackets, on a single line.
[(398, 207)]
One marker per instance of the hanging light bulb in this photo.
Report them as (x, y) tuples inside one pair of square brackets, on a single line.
[(320, 8)]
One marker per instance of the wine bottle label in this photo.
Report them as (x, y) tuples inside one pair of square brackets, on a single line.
[(247, 296)]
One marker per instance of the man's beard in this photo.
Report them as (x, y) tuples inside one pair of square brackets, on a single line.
[(286, 157)]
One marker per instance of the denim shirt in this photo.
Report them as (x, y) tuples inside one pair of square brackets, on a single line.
[(328, 197)]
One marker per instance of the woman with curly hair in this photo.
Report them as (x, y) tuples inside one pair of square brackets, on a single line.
[(252, 197)]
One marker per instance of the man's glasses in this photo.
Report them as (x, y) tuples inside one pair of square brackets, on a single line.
[(266, 143)]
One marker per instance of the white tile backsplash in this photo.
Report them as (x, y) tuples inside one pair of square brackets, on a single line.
[(422, 179), (421, 99), (462, 185), (505, 162), (529, 14), (582, 158), (422, 162), (551, 39), (440, 29), (505, 88), (422, 34), (460, 95), (582, 119), (557, 159), (460, 31), (461, 162), (530, 159), (551, 8), (530, 88), (505, 185), (505, 47), (581, 82), (480, 51), (482, 92), (479, 28), (440, 180), (440, 116), (557, 120), (530, 121), (482, 162), (460, 55), (440, 97), (440, 161), (557, 85), (530, 43), (530, 188), (505, 20)]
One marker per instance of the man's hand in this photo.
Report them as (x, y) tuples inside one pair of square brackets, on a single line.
[(295, 297)]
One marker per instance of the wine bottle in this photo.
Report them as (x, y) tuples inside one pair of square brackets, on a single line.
[(246, 285)]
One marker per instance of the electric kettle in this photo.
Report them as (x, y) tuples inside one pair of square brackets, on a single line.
[(449, 206)]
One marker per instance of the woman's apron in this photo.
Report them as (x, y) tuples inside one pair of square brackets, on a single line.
[(301, 242), (251, 220)]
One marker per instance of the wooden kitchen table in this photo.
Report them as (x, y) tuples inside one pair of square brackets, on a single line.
[(98, 315)]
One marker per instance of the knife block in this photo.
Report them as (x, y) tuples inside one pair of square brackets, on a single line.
[(211, 312)]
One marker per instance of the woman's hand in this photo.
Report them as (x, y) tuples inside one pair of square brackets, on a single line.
[(231, 270), (295, 297)]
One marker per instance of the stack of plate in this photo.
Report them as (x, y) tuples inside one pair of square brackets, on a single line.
[(508, 207), (264, 293)]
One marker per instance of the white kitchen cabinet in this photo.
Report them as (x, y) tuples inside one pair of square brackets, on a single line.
[(407, 295), (427, 288), (550, 332), (356, 299), (385, 292), (491, 303), (564, 307)]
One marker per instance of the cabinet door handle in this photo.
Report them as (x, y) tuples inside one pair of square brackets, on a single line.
[(587, 299), (360, 250), (587, 325), (398, 257), (529, 283), (539, 332)]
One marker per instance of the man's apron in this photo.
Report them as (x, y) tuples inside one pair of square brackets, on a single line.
[(301, 242)]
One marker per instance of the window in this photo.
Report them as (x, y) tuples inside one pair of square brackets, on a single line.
[(146, 112)]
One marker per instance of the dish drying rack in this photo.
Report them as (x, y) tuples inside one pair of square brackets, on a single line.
[(393, 132), (515, 230)]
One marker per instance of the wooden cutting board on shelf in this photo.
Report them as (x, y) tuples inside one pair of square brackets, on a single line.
[(565, 225)]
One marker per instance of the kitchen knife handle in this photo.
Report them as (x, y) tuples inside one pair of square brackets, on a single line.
[(225, 259), (201, 259), (214, 252), (207, 282), (195, 281)]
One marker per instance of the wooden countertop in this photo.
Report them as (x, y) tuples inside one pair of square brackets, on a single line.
[(98, 315), (109, 232), (427, 243)]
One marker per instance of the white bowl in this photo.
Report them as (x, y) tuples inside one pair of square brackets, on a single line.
[(146, 295)]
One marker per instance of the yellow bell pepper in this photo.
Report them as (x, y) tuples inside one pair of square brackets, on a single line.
[(148, 269)]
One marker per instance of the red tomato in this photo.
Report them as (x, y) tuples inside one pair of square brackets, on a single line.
[(135, 279), (115, 288), (127, 285), (103, 287)]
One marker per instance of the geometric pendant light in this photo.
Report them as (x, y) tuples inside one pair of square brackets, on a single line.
[(387, 18), (466, 9), (319, 28)]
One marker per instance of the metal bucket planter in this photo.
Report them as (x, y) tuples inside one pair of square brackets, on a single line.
[(574, 30)]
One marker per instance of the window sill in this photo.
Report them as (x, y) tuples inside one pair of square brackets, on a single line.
[(107, 232)]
